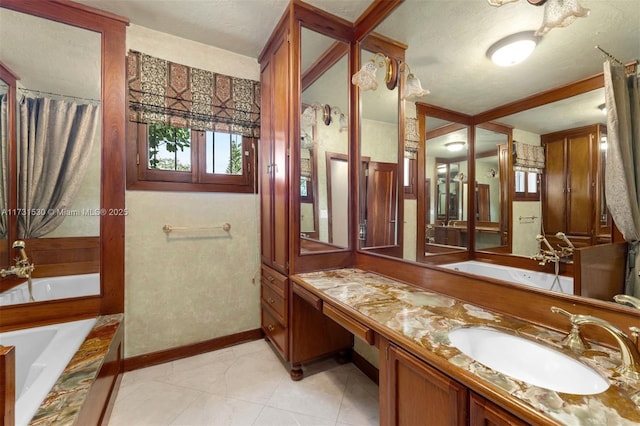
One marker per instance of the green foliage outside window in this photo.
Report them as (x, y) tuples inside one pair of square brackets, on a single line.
[(170, 139), (235, 159)]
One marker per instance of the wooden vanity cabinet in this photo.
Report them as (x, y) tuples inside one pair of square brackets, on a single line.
[(414, 393), (485, 413), (274, 300)]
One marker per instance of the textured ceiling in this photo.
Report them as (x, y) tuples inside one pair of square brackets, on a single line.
[(447, 42)]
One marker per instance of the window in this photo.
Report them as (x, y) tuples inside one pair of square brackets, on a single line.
[(410, 178), (526, 186), (163, 157)]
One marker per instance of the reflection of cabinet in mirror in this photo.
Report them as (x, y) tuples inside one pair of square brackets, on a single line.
[(572, 163)]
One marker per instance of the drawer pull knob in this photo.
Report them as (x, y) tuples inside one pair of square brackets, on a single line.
[(270, 327), (270, 278), (271, 301)]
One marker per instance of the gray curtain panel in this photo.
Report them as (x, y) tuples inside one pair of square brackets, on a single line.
[(622, 173), (56, 137)]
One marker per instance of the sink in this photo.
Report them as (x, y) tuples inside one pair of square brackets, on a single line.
[(527, 361)]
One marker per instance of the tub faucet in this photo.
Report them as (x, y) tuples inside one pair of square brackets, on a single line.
[(543, 256), (22, 268), (625, 299), (630, 366)]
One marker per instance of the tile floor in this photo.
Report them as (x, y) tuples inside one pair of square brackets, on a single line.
[(244, 385)]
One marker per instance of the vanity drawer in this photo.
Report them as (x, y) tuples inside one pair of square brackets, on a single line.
[(358, 329), (273, 299), (275, 331), (275, 279)]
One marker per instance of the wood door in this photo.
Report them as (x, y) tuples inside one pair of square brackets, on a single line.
[(485, 413), (382, 204), (580, 185), (266, 159), (417, 394), (483, 202), (554, 200)]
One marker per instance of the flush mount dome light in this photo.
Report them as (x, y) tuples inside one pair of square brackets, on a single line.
[(513, 49), (455, 146)]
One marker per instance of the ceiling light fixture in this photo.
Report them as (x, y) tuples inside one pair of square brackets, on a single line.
[(513, 49), (455, 146), (557, 13)]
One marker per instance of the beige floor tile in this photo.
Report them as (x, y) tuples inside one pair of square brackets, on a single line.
[(244, 385)]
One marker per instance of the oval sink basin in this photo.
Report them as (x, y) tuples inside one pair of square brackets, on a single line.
[(528, 361)]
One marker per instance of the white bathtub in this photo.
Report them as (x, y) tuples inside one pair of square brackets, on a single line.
[(514, 275), (42, 353), (51, 288)]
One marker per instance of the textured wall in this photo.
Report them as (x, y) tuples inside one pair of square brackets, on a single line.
[(189, 287)]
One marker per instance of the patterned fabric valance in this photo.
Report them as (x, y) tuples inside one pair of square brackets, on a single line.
[(162, 92), (528, 158), (411, 138)]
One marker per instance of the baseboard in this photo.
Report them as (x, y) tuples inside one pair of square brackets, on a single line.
[(365, 366), (160, 357)]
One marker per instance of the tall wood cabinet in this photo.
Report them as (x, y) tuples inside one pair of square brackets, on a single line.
[(288, 320), (571, 188)]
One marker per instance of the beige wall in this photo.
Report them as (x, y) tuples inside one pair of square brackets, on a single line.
[(189, 287)]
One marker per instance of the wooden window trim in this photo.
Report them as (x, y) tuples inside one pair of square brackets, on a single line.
[(526, 196), (139, 177), (410, 190)]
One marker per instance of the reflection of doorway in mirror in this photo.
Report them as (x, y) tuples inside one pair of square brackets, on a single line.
[(338, 199)]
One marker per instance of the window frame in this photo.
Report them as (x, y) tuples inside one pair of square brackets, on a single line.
[(140, 177), (526, 195)]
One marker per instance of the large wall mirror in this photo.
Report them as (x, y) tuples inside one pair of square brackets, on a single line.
[(506, 210), (381, 165), (66, 180), (324, 144), (446, 187)]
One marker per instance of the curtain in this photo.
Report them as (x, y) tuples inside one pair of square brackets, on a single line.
[(4, 161), (622, 172), (163, 92), (528, 158), (56, 138)]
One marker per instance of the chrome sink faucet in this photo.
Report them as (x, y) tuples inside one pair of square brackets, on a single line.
[(630, 366)]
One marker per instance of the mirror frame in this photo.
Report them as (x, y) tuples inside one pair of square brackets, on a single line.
[(317, 20), (10, 78), (112, 29)]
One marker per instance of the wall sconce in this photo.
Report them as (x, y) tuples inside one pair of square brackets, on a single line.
[(492, 173), (365, 79), (557, 13), (455, 146), (603, 108), (413, 87), (309, 115), (460, 177)]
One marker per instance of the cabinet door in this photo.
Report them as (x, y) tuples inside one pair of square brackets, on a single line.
[(554, 202), (580, 185), (274, 192), (485, 413), (417, 394)]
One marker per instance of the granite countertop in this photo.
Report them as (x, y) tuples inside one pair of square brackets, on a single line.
[(63, 403), (425, 318)]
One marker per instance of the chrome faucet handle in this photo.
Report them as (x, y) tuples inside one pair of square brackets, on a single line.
[(573, 340)]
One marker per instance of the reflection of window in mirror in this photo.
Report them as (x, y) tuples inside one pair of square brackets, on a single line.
[(410, 174), (526, 186)]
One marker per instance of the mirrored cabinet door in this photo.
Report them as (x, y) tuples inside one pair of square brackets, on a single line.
[(324, 144)]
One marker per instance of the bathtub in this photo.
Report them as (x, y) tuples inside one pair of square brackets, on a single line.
[(42, 353), (515, 275), (51, 288)]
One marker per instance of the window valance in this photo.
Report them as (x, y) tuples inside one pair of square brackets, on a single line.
[(163, 92), (528, 158)]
